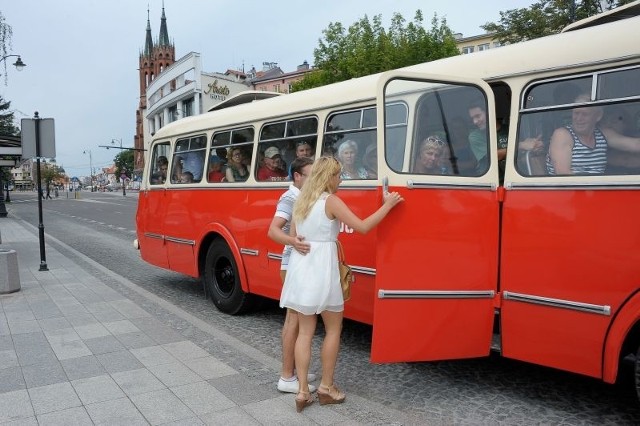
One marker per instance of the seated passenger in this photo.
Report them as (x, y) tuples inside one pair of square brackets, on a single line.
[(237, 171), (186, 177), (581, 147), (215, 169), (457, 152), (176, 169), (304, 149), (347, 154), (161, 175), (429, 161), (193, 162), (270, 170)]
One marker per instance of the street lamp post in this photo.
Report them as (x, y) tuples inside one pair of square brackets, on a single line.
[(88, 151)]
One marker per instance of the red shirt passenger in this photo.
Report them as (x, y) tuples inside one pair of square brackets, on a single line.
[(271, 170)]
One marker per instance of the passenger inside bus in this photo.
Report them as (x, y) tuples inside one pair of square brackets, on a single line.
[(176, 169), (461, 159), (215, 169), (304, 149), (237, 171), (582, 146), (186, 177), (478, 138), (162, 165), (348, 155), (271, 168), (429, 157)]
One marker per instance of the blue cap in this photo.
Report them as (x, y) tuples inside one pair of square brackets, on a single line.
[(215, 159)]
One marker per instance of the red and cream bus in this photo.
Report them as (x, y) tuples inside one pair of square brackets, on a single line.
[(542, 268)]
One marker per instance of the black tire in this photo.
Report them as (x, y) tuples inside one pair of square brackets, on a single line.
[(637, 372), (222, 281)]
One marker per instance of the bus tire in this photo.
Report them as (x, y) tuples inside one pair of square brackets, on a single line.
[(222, 280)]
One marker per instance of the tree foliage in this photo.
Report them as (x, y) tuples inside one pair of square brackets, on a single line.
[(545, 17), (6, 32), (50, 172), (124, 163), (6, 119), (367, 48)]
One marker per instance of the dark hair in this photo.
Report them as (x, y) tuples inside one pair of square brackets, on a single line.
[(477, 103), (162, 161), (300, 163)]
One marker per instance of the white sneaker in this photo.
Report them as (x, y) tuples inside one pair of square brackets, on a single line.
[(292, 386)]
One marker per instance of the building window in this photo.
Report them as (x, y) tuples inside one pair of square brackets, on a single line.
[(468, 49), (276, 88), (482, 47), (187, 106), (496, 44)]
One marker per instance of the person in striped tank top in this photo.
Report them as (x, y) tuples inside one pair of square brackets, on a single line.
[(581, 147)]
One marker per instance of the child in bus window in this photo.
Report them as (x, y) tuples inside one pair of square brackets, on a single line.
[(215, 169), (186, 177)]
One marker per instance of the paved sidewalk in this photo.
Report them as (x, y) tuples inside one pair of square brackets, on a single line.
[(75, 351)]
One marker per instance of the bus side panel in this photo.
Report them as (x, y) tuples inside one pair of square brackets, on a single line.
[(576, 246), (360, 252), (181, 224), (150, 227), (437, 240)]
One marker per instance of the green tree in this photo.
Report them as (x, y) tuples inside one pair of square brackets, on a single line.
[(6, 119), (124, 162), (367, 48), (50, 172), (544, 18)]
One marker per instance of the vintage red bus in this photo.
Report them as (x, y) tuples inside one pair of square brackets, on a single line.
[(484, 254)]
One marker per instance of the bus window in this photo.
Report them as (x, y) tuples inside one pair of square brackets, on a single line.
[(350, 136), (159, 163), (280, 143), (230, 155), (188, 160), (561, 111)]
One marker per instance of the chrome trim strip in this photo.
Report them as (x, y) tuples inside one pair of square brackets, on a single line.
[(435, 294), (558, 186), (274, 256), (180, 241), (557, 303), (433, 185), (155, 236), (363, 270), (250, 252)]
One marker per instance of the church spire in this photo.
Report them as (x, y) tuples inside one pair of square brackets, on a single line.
[(148, 44), (164, 34)]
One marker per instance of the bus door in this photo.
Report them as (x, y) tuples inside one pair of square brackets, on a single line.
[(152, 203), (437, 252)]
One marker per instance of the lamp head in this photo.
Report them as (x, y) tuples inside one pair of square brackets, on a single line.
[(19, 64)]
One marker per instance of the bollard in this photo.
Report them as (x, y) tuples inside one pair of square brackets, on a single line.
[(9, 275)]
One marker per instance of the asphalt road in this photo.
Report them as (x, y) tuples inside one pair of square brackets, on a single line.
[(492, 390)]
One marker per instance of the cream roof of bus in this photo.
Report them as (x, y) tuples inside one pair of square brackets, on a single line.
[(610, 42)]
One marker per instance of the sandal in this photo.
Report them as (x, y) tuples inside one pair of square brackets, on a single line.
[(330, 395), (303, 402)]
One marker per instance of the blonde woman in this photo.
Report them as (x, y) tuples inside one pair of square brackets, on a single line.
[(312, 284), (236, 170)]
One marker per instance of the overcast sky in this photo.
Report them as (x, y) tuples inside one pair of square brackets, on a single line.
[(82, 55)]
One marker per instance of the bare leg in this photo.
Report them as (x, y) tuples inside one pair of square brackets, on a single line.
[(289, 336), (307, 328), (330, 345)]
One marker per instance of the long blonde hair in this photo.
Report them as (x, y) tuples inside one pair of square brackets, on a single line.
[(324, 168)]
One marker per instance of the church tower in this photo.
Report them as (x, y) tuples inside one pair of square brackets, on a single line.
[(153, 59)]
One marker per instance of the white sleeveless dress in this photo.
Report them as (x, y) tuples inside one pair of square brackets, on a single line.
[(312, 284)]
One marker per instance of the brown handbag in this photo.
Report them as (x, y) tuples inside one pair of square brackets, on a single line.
[(346, 274)]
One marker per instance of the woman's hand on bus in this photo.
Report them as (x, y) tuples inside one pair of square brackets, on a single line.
[(391, 199), (301, 245)]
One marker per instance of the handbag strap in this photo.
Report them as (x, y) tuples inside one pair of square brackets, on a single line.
[(340, 251)]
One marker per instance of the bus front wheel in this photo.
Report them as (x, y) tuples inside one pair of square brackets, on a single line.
[(222, 280)]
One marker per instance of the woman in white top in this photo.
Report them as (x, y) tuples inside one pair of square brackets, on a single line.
[(312, 285)]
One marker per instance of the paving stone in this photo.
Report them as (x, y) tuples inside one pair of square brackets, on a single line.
[(104, 312), (81, 319), (56, 397), (120, 327), (42, 374), (15, 405), (91, 331), (185, 350), (116, 412), (281, 412), (136, 340), (119, 361), (83, 367), (202, 398), (24, 421), (56, 323), (6, 343), (129, 309), (137, 381), (153, 355), (97, 389), (210, 368), (21, 327), (76, 416), (241, 389), (73, 349), (25, 315), (103, 345), (8, 359), (174, 374), (231, 416), (11, 379), (161, 406)]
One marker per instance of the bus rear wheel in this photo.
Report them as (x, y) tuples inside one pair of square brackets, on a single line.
[(222, 280)]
